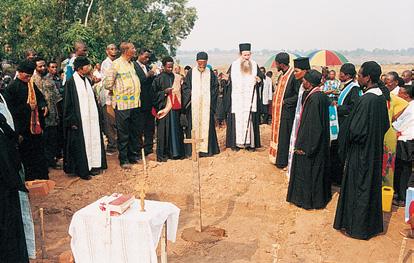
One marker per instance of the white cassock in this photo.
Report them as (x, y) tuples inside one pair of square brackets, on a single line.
[(244, 101)]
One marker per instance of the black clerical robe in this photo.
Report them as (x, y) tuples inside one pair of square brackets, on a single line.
[(231, 140), (170, 136), (290, 100), (361, 139), (75, 160), (309, 184), (213, 147), (12, 242), (344, 110), (31, 147)]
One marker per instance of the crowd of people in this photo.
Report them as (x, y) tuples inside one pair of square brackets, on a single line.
[(356, 132)]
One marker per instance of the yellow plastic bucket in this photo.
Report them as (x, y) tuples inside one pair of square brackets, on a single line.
[(387, 195)]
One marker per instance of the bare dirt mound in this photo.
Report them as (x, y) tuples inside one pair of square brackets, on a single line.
[(241, 193)]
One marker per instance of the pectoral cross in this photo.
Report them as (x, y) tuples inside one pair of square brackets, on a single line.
[(196, 178)]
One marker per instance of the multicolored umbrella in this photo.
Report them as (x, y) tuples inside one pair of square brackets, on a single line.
[(326, 58), (270, 63)]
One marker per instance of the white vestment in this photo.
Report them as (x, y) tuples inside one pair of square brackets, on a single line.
[(244, 101), (90, 122)]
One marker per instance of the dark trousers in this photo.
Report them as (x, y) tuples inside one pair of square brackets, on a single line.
[(50, 137), (146, 129), (403, 178), (109, 127), (127, 123)]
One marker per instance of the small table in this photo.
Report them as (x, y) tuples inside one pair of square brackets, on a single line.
[(130, 237)]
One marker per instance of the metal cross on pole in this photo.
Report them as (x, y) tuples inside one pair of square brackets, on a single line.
[(196, 178)]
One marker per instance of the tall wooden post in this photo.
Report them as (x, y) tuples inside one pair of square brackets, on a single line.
[(196, 178)]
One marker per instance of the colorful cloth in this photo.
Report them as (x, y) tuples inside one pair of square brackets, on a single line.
[(332, 85), (395, 106), (35, 127), (277, 113), (123, 80)]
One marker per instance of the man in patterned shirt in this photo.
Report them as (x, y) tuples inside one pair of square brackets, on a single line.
[(331, 86), (124, 83), (50, 134)]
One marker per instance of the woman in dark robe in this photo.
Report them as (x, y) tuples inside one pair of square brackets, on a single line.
[(13, 247), (309, 184), (79, 159)]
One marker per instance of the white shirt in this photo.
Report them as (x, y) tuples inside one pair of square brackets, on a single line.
[(104, 94), (405, 123), (144, 68)]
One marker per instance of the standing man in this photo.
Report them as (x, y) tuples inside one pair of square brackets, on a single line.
[(267, 94), (166, 89), (85, 151), (199, 99), (284, 106), (331, 86), (28, 108), (13, 247), (81, 50), (50, 92), (105, 101), (391, 81), (241, 102), (346, 101), (53, 74), (301, 67), (359, 210), (309, 184), (147, 121), (123, 81), (407, 76), (404, 126)]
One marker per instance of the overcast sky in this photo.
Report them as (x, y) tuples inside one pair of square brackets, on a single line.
[(302, 24)]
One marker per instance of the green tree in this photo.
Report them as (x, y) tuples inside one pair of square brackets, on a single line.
[(52, 26)]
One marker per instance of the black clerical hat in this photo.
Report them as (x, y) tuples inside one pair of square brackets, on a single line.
[(314, 77), (26, 66), (202, 56), (302, 63), (282, 58), (245, 47), (80, 62), (348, 69)]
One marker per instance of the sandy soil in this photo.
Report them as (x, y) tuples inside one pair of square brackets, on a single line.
[(241, 193)]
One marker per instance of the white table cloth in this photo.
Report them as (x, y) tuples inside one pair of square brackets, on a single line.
[(130, 237)]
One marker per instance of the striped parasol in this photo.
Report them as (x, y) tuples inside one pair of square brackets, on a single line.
[(327, 58)]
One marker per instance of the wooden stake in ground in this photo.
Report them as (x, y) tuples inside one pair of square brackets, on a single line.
[(143, 185), (42, 234), (196, 178)]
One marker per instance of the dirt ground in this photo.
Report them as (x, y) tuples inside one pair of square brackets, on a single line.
[(241, 193)]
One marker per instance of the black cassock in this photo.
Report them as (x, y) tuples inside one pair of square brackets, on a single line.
[(170, 136), (12, 238), (344, 110), (287, 118), (213, 147), (309, 185), (75, 160), (361, 140), (31, 149), (231, 118)]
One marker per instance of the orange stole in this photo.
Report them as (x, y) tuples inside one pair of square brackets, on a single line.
[(277, 114)]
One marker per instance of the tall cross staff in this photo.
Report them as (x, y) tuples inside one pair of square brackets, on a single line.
[(196, 177)]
